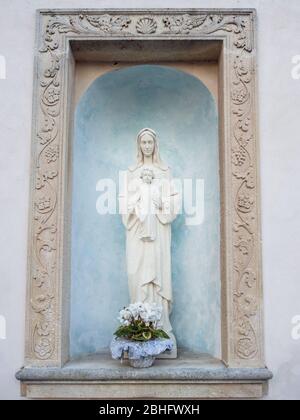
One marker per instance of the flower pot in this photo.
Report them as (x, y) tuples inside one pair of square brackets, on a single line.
[(139, 354), (142, 362)]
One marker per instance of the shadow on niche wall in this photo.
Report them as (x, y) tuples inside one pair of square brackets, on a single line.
[(108, 117)]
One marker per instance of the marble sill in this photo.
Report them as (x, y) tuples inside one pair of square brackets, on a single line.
[(186, 367), (189, 376)]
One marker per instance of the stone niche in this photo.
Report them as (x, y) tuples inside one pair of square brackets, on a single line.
[(73, 49)]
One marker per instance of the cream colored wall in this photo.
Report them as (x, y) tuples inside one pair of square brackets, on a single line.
[(87, 72)]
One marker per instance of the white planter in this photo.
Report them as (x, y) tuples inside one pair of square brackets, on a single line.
[(139, 354)]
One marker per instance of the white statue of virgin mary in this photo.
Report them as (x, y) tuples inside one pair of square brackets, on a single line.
[(151, 204)]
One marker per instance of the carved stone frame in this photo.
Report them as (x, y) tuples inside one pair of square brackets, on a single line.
[(47, 316)]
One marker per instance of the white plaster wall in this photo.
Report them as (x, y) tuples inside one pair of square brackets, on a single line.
[(279, 104)]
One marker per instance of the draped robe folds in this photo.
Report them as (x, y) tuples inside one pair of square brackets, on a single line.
[(149, 262)]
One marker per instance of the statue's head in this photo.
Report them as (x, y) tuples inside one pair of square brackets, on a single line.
[(147, 142), (147, 146)]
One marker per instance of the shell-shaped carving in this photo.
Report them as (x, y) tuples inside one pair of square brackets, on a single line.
[(146, 26)]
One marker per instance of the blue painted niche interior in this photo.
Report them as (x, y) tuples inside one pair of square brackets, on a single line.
[(108, 117)]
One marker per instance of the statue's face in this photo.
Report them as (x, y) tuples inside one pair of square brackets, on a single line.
[(147, 145)]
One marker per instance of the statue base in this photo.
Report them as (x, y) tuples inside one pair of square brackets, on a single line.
[(169, 354)]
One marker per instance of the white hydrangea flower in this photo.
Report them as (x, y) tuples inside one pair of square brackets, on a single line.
[(147, 312), (125, 316)]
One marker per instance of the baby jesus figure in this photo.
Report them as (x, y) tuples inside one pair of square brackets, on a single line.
[(147, 206)]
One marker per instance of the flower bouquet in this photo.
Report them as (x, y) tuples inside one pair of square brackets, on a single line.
[(140, 334)]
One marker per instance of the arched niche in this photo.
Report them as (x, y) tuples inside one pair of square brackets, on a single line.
[(108, 116)]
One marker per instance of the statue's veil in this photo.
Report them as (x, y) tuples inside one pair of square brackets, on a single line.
[(156, 156)]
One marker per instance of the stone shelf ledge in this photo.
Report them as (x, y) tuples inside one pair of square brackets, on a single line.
[(188, 376)]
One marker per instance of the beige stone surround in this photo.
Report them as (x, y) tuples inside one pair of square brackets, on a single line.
[(144, 36)]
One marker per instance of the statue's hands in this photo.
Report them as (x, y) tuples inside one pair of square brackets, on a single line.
[(158, 203), (130, 208), (133, 204)]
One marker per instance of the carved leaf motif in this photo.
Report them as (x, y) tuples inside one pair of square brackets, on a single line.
[(42, 302), (107, 23), (247, 305), (247, 347), (44, 348), (244, 38), (245, 309), (249, 279), (183, 24), (54, 29), (40, 278)]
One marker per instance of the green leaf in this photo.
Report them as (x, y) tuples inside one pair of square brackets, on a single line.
[(139, 331), (147, 335)]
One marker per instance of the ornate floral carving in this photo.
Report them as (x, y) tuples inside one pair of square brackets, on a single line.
[(42, 303), (107, 23), (245, 309), (46, 262), (245, 203), (246, 346), (183, 24), (244, 37), (40, 278), (52, 153), (249, 279), (44, 347)]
